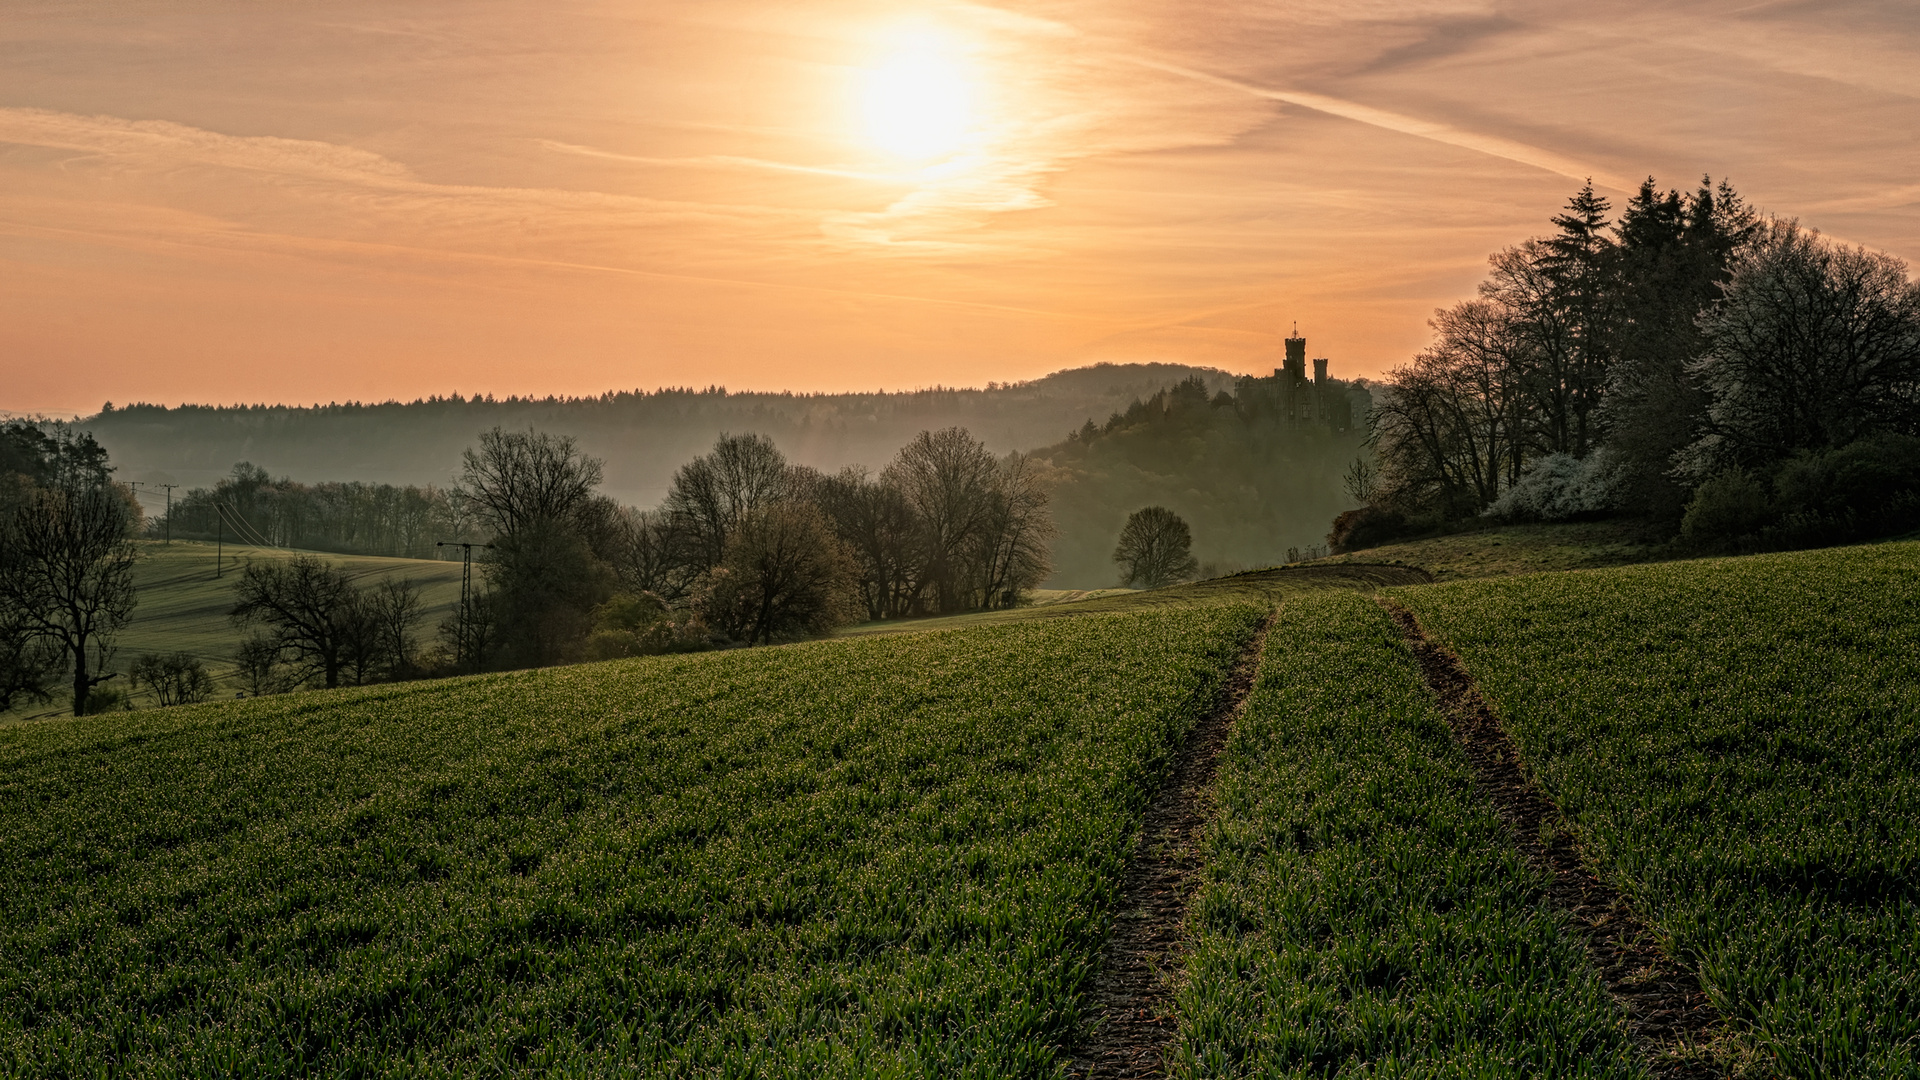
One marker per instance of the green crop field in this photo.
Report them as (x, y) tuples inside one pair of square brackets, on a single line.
[(889, 856), (898, 853), (182, 606), (1264, 587), (1360, 910), (1737, 743)]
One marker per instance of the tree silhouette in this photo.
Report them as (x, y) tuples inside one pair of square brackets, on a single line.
[(1155, 549), (68, 572)]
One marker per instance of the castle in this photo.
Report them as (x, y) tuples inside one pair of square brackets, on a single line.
[(1298, 401)]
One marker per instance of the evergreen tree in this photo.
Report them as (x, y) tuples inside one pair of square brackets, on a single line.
[(1673, 261), (1570, 378)]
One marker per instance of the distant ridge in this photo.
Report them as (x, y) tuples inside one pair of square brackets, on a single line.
[(643, 435)]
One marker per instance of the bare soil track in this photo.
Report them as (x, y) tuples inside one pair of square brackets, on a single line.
[(1133, 1021), (1669, 1020)]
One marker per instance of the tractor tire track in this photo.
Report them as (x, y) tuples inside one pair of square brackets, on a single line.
[(1669, 1020), (1132, 1023)]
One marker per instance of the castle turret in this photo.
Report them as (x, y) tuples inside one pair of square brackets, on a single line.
[(1297, 359)]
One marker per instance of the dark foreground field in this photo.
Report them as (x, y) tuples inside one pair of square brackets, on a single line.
[(902, 855)]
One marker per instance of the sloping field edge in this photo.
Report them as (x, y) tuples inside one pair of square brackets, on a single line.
[(1670, 1022), (1132, 1019)]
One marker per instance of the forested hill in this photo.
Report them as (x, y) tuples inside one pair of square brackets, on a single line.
[(641, 436), (1250, 481)]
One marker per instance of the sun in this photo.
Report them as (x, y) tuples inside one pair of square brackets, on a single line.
[(918, 103)]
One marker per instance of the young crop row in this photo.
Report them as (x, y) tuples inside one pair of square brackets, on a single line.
[(1737, 743), (889, 856), (1361, 911)]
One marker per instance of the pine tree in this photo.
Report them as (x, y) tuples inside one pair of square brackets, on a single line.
[(1674, 258), (1573, 326)]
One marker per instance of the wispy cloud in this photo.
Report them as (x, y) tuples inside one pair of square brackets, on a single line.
[(155, 145), (1491, 145)]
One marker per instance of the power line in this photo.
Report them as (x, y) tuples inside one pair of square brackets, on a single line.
[(463, 623)]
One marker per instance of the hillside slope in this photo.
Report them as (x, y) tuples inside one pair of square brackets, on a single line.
[(182, 606), (891, 856)]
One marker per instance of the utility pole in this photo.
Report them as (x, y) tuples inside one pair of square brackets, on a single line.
[(463, 626), (169, 488), (219, 538)]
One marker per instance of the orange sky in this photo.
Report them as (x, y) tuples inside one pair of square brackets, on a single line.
[(310, 202)]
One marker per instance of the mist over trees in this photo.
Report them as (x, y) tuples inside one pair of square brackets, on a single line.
[(1250, 476), (1738, 378), (640, 436), (353, 518)]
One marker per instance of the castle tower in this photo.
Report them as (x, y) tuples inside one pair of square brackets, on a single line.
[(1296, 360), (1320, 372)]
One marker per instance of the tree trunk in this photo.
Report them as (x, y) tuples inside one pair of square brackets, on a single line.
[(82, 686)]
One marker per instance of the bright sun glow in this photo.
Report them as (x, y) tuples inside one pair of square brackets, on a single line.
[(918, 103)]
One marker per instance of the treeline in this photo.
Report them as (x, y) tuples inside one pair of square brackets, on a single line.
[(1737, 378), (640, 436), (352, 518), (1247, 480), (746, 548)]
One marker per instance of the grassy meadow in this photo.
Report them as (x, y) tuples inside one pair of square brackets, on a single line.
[(896, 852), (1504, 550), (183, 606)]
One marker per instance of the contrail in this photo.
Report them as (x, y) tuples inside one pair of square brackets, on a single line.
[(725, 160), (1492, 145)]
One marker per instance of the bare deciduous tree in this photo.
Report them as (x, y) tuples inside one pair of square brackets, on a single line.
[(1155, 549), (547, 567), (393, 609), (1447, 429), (711, 493), (517, 479), (1012, 551), (175, 678), (948, 478), (311, 610), (878, 527), (68, 576), (654, 554), (784, 573)]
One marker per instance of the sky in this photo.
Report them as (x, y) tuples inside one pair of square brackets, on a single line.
[(332, 201)]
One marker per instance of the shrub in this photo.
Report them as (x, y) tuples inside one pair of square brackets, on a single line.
[(1729, 507), (1867, 488), (175, 678), (640, 625), (1560, 487), (105, 699), (1369, 526)]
